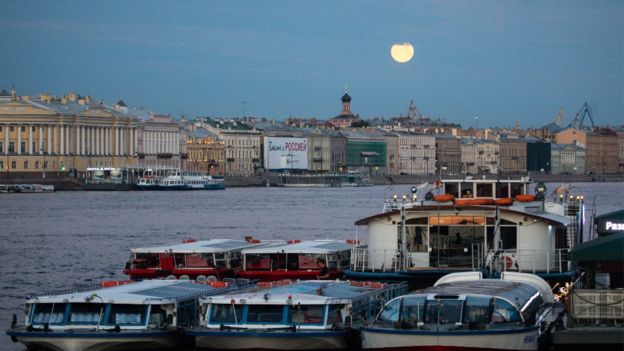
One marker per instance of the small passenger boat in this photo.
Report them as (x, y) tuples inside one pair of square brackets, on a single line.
[(180, 180), (463, 311), (297, 259), (142, 315), (215, 257), (307, 315)]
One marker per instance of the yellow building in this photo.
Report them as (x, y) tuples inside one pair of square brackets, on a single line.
[(40, 134)]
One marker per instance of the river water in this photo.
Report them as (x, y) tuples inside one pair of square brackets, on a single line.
[(49, 242)]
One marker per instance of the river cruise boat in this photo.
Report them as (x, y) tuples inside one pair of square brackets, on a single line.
[(142, 315), (216, 257), (34, 188), (148, 180), (466, 225), (463, 311), (180, 180), (306, 315), (297, 259)]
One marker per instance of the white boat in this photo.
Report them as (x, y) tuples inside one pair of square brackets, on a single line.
[(142, 315), (463, 311), (307, 315), (467, 225), (34, 188), (148, 180), (179, 180)]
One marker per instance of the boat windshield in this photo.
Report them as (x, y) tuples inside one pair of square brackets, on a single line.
[(389, 316), (52, 313), (413, 309), (477, 309), (222, 313), (127, 315), (443, 311), (86, 313), (504, 312), (305, 314), (261, 262), (265, 314)]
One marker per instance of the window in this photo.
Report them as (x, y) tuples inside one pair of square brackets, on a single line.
[(12, 128), (389, 316), (504, 312), (13, 164), (221, 313), (1, 146), (49, 313), (11, 146), (36, 164), (444, 311), (477, 309), (127, 315), (1, 165), (23, 147), (33, 128), (86, 313), (25, 164), (265, 314), (413, 310), (305, 314), (157, 316), (23, 129)]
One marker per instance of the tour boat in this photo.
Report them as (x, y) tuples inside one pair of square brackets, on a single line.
[(139, 315), (306, 315), (472, 225), (179, 180), (463, 311), (34, 188), (297, 259), (215, 257), (148, 180)]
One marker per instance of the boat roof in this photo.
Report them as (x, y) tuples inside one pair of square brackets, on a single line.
[(202, 246), (516, 292), (305, 292), (540, 215), (143, 292), (307, 246)]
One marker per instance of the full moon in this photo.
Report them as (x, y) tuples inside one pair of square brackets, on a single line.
[(402, 52)]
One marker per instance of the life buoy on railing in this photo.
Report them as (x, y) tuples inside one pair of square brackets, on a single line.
[(352, 241), (186, 241), (443, 198), (503, 201), (293, 241), (219, 284), (508, 261), (112, 283)]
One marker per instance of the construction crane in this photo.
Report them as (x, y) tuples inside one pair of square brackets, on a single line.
[(559, 117), (577, 123)]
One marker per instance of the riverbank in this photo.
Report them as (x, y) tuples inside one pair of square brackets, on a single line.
[(62, 182)]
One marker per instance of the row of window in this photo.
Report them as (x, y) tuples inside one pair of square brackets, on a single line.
[(13, 165), (274, 314), (95, 313)]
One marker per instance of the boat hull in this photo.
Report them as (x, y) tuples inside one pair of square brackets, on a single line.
[(97, 341), (524, 339), (273, 340)]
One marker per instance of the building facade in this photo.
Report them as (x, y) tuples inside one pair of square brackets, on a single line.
[(513, 155), (417, 153), (242, 145), (160, 143), (206, 153), (567, 159), (601, 145), (448, 153)]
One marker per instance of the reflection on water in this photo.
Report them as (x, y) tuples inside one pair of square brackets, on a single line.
[(53, 241)]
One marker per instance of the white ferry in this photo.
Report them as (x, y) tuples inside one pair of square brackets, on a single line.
[(463, 311), (179, 180), (466, 225), (142, 315), (307, 315)]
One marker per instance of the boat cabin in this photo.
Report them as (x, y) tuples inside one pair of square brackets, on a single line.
[(144, 314), (297, 259), (311, 313), (215, 257)]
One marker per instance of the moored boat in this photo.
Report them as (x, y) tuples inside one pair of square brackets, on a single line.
[(296, 259), (215, 257), (472, 225), (180, 180), (463, 311), (307, 315), (142, 315)]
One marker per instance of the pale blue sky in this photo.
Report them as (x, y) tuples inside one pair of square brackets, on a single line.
[(504, 61)]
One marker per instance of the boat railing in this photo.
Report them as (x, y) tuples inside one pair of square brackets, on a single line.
[(384, 260), (529, 260)]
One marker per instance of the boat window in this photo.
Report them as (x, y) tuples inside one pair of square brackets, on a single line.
[(265, 314), (157, 317), (52, 313), (222, 313), (509, 237), (484, 190), (127, 314), (477, 309), (389, 316), (305, 314), (418, 220), (334, 315), (417, 240), (88, 313), (502, 190), (413, 310), (452, 189), (219, 260), (179, 259), (516, 189), (504, 312), (144, 260), (198, 260), (443, 311), (345, 258), (260, 261), (303, 261), (466, 190)]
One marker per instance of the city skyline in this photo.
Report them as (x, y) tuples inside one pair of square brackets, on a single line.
[(503, 62)]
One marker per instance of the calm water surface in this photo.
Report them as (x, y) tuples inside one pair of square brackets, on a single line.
[(54, 241)]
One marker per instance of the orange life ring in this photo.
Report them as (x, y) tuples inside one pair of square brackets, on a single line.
[(294, 241), (352, 241), (186, 241), (503, 201), (525, 197), (443, 198), (219, 284), (508, 261)]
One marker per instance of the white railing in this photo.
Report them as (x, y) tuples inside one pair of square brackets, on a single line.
[(528, 261), (384, 260)]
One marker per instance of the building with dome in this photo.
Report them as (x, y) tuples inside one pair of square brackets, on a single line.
[(346, 117)]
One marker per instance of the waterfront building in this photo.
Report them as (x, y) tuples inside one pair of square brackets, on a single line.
[(338, 152), (241, 142), (601, 145), (416, 153), (43, 133), (513, 154), (538, 156), (479, 156), (393, 155), (620, 136), (346, 117), (206, 152), (160, 142), (418, 123), (366, 152), (319, 150), (448, 153), (567, 159)]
